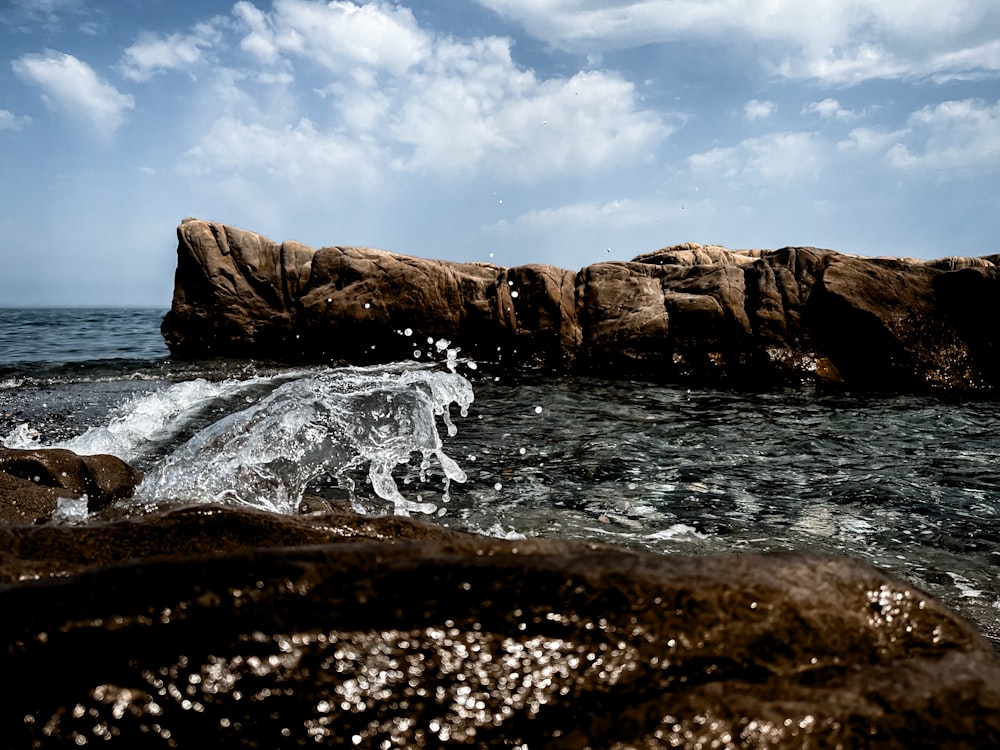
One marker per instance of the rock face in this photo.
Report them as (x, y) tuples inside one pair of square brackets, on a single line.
[(32, 481), (230, 628), (686, 312)]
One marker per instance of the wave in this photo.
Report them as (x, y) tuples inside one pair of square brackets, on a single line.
[(141, 421), (266, 455)]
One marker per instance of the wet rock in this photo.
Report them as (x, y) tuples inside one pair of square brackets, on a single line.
[(330, 637), (32, 482), (753, 317)]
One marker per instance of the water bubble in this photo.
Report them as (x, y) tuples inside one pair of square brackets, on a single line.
[(473, 366), (416, 353), (408, 332), (498, 486), (538, 410), (522, 451), (441, 344), (430, 339)]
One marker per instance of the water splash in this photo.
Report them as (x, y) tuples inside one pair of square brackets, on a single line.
[(139, 421), (266, 455)]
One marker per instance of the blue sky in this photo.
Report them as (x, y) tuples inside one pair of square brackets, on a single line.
[(518, 131)]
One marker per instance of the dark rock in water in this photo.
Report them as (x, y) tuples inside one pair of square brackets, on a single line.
[(423, 639), (32, 481), (684, 312)]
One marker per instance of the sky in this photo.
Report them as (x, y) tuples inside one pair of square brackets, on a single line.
[(566, 132)]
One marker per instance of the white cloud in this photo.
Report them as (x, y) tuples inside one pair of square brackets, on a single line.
[(829, 108), (774, 159), (757, 110), (48, 14), (415, 102), (72, 87), (615, 215), (870, 140), (10, 121), (831, 40), (472, 108), (338, 35), (952, 138), (297, 153), (259, 40), (155, 53)]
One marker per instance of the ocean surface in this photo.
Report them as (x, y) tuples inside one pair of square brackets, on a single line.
[(909, 483)]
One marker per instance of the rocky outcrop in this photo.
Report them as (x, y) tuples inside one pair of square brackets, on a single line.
[(231, 627), (33, 481), (685, 312)]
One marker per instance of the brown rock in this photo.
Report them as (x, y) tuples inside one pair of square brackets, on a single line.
[(434, 642), (684, 312), (32, 481)]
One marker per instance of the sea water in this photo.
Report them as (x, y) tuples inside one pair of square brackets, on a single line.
[(909, 483)]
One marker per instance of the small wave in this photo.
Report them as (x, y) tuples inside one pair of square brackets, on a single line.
[(267, 454), (139, 421)]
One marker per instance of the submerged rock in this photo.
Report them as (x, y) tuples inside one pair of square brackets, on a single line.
[(246, 628), (684, 312), (33, 481)]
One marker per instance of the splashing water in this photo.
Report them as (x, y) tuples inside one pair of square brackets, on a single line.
[(266, 455), (140, 421)]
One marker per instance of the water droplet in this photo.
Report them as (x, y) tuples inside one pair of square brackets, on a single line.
[(522, 451), (368, 305), (538, 410), (491, 255), (416, 354), (498, 486), (408, 332), (513, 294)]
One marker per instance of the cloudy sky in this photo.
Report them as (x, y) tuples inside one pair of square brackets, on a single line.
[(552, 131)]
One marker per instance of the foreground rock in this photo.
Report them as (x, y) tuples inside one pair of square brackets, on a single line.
[(33, 481), (212, 627), (757, 317)]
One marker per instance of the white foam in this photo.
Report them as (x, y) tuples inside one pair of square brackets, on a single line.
[(678, 532), (139, 420)]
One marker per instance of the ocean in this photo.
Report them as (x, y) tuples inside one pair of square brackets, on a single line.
[(907, 482)]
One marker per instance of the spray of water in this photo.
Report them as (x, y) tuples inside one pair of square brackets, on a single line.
[(266, 455)]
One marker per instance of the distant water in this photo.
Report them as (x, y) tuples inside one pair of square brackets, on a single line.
[(910, 483), (32, 339)]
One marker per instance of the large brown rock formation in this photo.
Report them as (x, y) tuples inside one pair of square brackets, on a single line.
[(216, 627), (754, 316)]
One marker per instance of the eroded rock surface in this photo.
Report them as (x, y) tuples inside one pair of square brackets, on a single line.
[(341, 634), (685, 312), (33, 481)]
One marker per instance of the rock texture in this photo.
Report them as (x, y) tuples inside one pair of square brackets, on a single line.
[(685, 312), (214, 627), (33, 481)]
